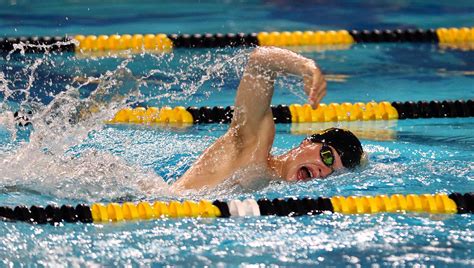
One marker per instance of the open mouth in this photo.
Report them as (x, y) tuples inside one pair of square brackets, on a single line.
[(304, 173)]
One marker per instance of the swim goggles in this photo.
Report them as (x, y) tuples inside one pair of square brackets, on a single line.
[(326, 155)]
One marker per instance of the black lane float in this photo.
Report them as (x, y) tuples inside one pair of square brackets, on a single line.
[(113, 212), (166, 42)]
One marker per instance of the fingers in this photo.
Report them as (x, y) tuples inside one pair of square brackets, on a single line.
[(314, 86), (317, 92), (314, 102), (318, 99)]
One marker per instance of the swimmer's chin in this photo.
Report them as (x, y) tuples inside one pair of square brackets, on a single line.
[(294, 179)]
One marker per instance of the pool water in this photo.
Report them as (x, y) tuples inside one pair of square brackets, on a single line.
[(65, 163)]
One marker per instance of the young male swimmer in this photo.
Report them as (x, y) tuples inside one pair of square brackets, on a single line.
[(249, 138)]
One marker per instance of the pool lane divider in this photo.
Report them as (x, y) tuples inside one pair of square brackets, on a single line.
[(165, 43), (128, 211), (35, 44), (296, 113)]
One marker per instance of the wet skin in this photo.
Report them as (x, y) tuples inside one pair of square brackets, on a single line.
[(304, 163), (249, 139)]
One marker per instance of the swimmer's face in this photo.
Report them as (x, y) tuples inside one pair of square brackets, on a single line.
[(305, 162)]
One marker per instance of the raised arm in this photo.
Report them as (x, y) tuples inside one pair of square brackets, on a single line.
[(252, 104), (250, 136)]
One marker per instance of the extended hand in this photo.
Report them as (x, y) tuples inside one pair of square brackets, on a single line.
[(314, 84)]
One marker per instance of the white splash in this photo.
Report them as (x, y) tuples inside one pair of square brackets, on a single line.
[(45, 163)]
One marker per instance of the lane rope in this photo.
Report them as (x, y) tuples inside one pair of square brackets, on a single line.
[(164, 43), (296, 113), (113, 212)]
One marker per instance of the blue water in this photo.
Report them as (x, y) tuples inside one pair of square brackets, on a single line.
[(110, 162), (108, 17)]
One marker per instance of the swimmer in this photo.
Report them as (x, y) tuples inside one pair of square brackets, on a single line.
[(249, 138)]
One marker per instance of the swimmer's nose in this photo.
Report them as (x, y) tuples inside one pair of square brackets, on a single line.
[(324, 171), (320, 172), (317, 172)]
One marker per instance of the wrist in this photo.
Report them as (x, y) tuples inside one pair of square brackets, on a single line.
[(308, 68)]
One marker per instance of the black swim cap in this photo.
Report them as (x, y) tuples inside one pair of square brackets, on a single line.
[(346, 144)]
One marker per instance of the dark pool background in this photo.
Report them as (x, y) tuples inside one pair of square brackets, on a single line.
[(409, 156)]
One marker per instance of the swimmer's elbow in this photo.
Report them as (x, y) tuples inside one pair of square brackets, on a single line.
[(267, 60), (256, 56), (260, 56)]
